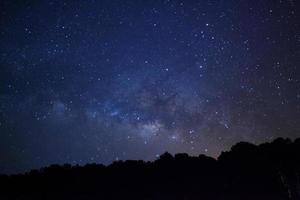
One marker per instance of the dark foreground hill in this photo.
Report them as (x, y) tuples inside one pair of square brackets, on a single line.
[(270, 171)]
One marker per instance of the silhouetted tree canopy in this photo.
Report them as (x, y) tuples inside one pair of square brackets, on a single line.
[(247, 171)]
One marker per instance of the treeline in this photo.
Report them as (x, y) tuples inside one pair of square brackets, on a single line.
[(270, 171)]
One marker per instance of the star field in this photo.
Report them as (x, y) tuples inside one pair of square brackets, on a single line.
[(98, 81)]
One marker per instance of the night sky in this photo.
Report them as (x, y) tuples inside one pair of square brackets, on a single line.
[(98, 81)]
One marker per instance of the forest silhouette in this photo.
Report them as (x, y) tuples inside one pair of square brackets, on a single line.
[(269, 171)]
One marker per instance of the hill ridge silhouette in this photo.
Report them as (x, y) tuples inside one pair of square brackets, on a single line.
[(247, 171)]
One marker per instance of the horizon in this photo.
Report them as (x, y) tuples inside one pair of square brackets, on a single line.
[(158, 157)]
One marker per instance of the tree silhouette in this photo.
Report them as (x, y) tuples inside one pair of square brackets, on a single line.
[(247, 171)]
